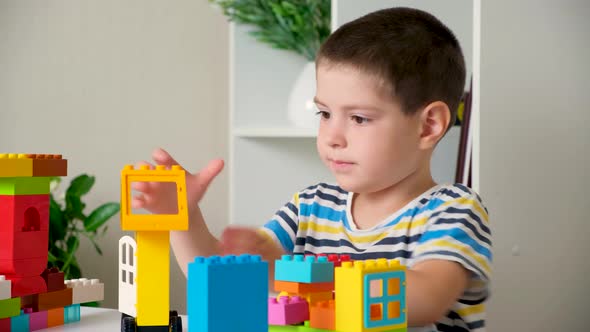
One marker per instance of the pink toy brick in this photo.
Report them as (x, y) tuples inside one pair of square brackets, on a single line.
[(287, 311), (37, 320)]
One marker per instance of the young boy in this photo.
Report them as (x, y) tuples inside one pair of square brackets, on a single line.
[(388, 85)]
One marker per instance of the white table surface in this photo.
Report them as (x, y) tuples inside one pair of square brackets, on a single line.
[(99, 320)]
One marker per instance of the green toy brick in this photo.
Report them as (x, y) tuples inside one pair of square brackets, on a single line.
[(296, 328), (24, 186), (10, 307)]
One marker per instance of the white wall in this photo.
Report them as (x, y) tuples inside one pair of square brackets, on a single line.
[(105, 82), (534, 178)]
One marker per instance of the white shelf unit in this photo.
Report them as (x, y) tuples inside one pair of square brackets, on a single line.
[(270, 159)]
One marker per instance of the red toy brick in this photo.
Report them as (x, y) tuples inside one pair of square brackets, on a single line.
[(21, 245), (5, 324), (23, 212), (22, 286), (23, 268), (55, 317), (337, 259), (54, 279)]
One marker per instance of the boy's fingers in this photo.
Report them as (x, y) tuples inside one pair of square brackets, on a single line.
[(138, 202), (143, 187), (162, 157), (203, 179)]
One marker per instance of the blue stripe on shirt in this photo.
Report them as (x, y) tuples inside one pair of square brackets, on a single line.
[(281, 234), (459, 235)]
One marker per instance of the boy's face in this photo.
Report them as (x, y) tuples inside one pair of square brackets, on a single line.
[(364, 138)]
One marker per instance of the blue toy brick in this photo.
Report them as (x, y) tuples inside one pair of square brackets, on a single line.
[(72, 314), (228, 294), (19, 323), (306, 269)]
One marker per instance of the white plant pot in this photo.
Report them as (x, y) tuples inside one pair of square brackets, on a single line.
[(301, 108)]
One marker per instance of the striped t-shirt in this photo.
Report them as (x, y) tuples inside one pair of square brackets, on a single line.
[(447, 222)]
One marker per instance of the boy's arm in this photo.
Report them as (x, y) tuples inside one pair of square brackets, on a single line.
[(196, 241), (432, 287)]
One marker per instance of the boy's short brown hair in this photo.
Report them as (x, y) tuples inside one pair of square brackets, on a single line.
[(412, 52)]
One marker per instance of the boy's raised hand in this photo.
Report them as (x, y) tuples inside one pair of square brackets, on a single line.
[(160, 197)]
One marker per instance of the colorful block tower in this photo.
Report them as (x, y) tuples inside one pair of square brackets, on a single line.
[(31, 296), (144, 262)]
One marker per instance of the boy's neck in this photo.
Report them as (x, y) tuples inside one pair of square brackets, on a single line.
[(369, 209)]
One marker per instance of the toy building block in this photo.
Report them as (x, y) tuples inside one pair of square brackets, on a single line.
[(25, 186), (370, 296), (287, 311), (298, 268), (54, 279), (20, 323), (38, 320), (28, 165), (56, 299), (22, 286), (5, 292), (10, 307), (72, 314), (49, 165), (55, 317), (337, 259), (153, 278), (322, 315), (302, 288), (153, 222), (12, 164), (127, 276), (85, 290), (24, 213), (311, 298), (213, 283), (5, 324)]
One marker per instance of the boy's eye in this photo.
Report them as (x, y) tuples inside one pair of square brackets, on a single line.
[(359, 119), (323, 114)]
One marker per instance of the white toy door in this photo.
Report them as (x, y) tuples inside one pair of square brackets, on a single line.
[(127, 276)]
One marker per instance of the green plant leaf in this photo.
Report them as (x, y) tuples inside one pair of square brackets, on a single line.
[(80, 185), (100, 215)]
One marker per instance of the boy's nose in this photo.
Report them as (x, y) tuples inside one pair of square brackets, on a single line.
[(335, 136)]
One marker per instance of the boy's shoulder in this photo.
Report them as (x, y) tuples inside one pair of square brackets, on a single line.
[(442, 192)]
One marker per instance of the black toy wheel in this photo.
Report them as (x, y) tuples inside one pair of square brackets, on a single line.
[(127, 323), (175, 324)]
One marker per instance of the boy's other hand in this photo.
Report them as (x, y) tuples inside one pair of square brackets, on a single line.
[(160, 197), (237, 240)]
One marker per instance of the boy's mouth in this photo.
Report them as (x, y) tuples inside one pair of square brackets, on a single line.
[(340, 164)]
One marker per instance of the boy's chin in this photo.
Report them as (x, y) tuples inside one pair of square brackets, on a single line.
[(352, 186)]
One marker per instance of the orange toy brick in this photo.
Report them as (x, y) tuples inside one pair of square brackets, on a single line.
[(322, 315), (49, 165), (55, 317), (303, 288), (52, 300)]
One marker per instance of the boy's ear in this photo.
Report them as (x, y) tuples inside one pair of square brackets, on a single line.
[(434, 121)]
